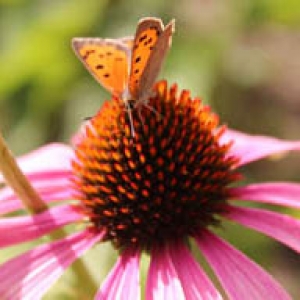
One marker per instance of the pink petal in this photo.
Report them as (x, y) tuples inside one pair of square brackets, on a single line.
[(123, 281), (254, 147), (50, 186), (52, 157), (14, 204), (195, 283), (163, 281), (30, 275), (279, 193), (53, 174), (240, 277), (281, 227), (22, 229), (41, 185)]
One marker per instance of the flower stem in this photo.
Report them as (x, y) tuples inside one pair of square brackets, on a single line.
[(14, 177), (88, 285)]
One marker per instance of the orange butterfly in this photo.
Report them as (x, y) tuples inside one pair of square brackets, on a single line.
[(127, 67)]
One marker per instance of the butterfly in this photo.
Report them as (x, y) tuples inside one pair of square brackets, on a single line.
[(128, 67)]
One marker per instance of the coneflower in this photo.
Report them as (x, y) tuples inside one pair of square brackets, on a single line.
[(173, 181)]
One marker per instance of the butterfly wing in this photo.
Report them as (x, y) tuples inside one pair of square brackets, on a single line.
[(127, 41), (155, 61), (107, 60), (150, 47), (146, 36)]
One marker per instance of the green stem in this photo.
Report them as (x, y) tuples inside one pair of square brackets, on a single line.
[(86, 284)]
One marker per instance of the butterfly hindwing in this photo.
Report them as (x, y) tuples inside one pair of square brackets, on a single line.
[(127, 41), (107, 60)]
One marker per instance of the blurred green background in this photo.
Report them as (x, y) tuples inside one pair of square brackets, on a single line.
[(241, 56)]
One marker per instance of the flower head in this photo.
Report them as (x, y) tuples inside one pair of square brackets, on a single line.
[(152, 191), (167, 182)]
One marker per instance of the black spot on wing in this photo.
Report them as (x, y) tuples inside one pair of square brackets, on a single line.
[(149, 41), (88, 53), (142, 38)]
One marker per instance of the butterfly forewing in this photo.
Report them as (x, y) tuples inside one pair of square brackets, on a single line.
[(106, 60), (147, 35), (154, 62)]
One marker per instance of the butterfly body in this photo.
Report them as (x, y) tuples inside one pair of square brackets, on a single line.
[(127, 67)]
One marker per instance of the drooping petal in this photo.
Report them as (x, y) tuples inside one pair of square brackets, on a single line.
[(195, 283), (279, 193), (30, 275), (163, 281), (240, 277), (15, 230), (51, 187), (41, 181), (49, 171), (280, 227), (53, 157), (123, 281), (46, 174), (249, 148), (14, 204)]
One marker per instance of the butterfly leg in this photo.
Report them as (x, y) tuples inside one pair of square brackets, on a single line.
[(153, 110), (130, 119), (140, 116)]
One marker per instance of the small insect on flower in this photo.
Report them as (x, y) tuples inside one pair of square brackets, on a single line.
[(128, 67)]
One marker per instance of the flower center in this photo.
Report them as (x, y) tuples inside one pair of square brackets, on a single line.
[(166, 181)]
